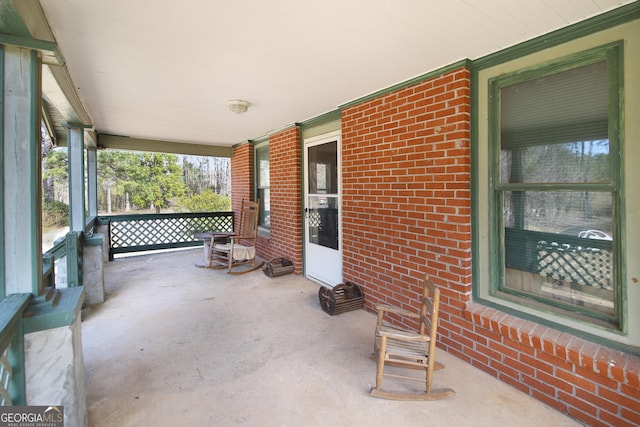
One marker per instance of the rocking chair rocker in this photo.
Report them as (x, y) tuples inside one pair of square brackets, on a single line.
[(241, 248), (400, 348)]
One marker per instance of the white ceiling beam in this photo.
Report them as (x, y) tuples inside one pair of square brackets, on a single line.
[(157, 146)]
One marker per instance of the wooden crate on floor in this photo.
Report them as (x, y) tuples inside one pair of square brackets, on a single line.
[(278, 267), (344, 297)]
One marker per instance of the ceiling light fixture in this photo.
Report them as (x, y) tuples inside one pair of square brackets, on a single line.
[(238, 105)]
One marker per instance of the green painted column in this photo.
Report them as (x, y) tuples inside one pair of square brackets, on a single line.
[(21, 171), (75, 148), (92, 182), (3, 292)]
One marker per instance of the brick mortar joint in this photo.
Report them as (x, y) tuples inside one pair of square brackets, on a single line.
[(517, 332)]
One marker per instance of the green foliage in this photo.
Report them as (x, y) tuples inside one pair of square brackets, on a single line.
[(55, 215), (158, 181), (194, 177), (54, 174), (147, 179), (115, 176), (55, 164), (206, 201), (203, 172), (133, 181)]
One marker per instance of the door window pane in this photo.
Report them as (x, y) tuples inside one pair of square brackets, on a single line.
[(323, 221), (323, 168)]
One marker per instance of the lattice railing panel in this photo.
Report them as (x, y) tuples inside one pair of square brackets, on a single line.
[(5, 378), (576, 264), (12, 378), (164, 231)]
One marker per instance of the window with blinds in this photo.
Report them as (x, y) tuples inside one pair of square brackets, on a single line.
[(555, 186), (263, 185)]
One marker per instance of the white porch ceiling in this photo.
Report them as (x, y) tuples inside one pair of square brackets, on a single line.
[(164, 70)]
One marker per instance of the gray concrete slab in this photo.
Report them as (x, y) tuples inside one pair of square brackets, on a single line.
[(176, 345)]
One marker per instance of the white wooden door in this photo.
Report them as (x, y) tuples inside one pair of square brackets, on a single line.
[(323, 253)]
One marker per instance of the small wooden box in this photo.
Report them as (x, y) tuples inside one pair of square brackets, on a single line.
[(278, 267), (344, 297)]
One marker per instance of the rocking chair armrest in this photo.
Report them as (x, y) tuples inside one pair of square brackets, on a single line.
[(402, 335), (235, 240), (395, 310), (215, 235), (243, 237)]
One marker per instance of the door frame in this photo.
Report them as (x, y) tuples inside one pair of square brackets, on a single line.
[(306, 143)]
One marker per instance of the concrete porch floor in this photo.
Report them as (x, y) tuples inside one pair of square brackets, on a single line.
[(176, 345)]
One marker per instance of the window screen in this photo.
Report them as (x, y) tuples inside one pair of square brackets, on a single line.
[(264, 190), (556, 189)]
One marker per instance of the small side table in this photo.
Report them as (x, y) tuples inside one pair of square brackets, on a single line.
[(205, 236)]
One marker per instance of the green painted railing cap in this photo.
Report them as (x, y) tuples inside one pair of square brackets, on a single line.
[(56, 312), (10, 311)]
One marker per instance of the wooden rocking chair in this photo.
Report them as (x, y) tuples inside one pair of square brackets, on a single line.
[(400, 348), (241, 247)]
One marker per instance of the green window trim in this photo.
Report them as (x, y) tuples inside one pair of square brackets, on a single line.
[(262, 184), (499, 236)]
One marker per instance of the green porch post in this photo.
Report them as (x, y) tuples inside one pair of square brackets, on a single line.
[(20, 149), (51, 333), (3, 292), (92, 182), (75, 148)]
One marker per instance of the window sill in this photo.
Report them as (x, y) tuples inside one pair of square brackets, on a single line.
[(264, 232)]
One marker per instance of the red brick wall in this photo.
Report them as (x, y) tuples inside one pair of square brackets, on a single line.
[(594, 384), (286, 217), (406, 192), (285, 239), (406, 212), (241, 176)]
